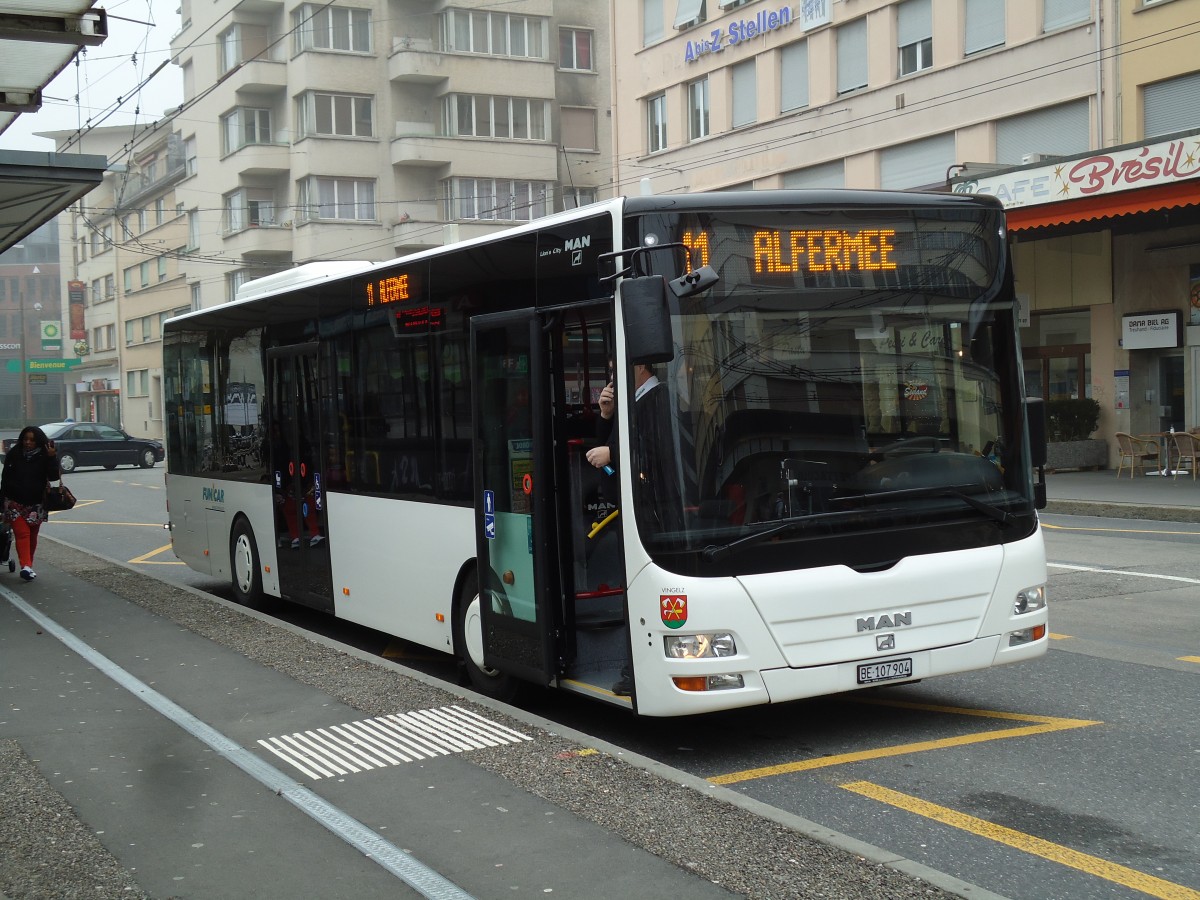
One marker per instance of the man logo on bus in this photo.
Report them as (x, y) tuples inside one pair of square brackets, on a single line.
[(673, 608), (895, 620)]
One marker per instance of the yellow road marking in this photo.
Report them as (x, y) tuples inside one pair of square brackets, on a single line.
[(1042, 725), (1119, 530), (1084, 862), (145, 558), (1059, 637), (1195, 659)]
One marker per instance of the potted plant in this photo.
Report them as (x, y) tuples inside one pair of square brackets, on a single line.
[(1070, 424)]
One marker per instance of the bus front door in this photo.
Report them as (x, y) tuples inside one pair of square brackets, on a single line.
[(514, 498), (298, 477)]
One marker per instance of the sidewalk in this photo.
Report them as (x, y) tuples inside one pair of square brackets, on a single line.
[(1165, 499), (133, 746)]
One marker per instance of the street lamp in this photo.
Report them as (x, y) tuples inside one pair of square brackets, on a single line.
[(26, 389)]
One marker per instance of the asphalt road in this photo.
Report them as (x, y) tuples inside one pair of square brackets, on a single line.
[(1067, 777)]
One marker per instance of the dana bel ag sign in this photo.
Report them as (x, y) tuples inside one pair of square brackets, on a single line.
[(1150, 330)]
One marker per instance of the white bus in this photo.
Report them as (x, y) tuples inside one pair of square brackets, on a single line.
[(836, 489)]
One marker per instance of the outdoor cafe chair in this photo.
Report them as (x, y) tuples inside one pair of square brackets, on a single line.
[(1135, 451), (1187, 446)]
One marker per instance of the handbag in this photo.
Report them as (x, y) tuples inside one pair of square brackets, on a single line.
[(58, 498)]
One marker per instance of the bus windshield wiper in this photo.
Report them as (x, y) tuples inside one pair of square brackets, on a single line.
[(720, 551), (958, 492)]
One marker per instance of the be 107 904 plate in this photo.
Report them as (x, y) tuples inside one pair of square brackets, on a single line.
[(869, 673)]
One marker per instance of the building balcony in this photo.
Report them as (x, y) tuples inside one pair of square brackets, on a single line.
[(261, 76), (414, 61), (266, 240), (417, 226), (261, 159), (497, 158)]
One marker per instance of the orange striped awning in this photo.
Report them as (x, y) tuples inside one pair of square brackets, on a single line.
[(1085, 209)]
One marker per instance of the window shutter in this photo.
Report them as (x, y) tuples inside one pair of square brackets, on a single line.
[(793, 76), (826, 175), (914, 22), (916, 164), (1055, 131), (687, 12), (852, 56), (1061, 13), (1170, 106), (745, 94), (985, 25)]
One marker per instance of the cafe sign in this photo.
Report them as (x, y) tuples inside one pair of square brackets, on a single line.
[(1150, 330), (1164, 162)]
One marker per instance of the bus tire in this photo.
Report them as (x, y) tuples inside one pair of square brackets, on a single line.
[(244, 567), (468, 646)]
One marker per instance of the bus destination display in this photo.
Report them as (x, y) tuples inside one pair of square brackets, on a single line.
[(778, 252)]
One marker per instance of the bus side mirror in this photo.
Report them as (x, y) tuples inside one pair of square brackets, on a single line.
[(1035, 418), (647, 320), (1035, 415)]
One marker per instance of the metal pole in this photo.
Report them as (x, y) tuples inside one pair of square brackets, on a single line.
[(25, 398)]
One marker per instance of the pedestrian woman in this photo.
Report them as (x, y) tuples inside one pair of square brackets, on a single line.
[(28, 467)]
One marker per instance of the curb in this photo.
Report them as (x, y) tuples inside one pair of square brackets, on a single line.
[(1111, 510)]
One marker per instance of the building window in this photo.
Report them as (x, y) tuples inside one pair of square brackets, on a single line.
[(652, 22), (984, 27), (495, 34), (193, 226), (745, 94), (793, 76), (248, 208), (189, 156), (128, 332), (917, 163), (698, 109), (1063, 13), (689, 13), (337, 198), (162, 268), (1170, 106), (229, 49), (245, 126), (335, 115), (234, 280), (914, 28), (496, 198), (322, 27), (578, 127), (656, 123), (1060, 130), (129, 279), (575, 49), (96, 295), (110, 287), (852, 56), (575, 197), (144, 272), (479, 115)]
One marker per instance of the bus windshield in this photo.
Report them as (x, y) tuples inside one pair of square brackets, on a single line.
[(849, 372)]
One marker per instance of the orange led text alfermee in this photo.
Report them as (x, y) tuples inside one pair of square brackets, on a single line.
[(826, 250), (390, 290)]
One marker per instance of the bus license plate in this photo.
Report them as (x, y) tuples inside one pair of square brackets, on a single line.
[(869, 673)]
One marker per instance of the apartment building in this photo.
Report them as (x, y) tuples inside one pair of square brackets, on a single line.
[(31, 368), (127, 241), (366, 129), (997, 97)]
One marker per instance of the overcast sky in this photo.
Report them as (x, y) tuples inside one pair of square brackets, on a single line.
[(106, 72)]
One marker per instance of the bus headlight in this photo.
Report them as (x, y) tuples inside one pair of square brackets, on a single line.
[(699, 646), (1030, 600)]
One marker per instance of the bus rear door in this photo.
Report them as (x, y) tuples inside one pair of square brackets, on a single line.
[(520, 607), (298, 478)]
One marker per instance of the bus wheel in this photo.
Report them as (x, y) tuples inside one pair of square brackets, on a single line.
[(243, 563), (468, 644)]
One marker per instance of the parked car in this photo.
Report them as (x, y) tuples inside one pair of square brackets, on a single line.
[(95, 444)]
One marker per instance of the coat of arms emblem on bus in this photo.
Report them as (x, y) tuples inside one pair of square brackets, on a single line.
[(673, 608)]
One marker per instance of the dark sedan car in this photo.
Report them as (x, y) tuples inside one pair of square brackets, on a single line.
[(95, 444)]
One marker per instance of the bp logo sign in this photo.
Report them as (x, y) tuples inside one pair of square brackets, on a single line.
[(51, 335)]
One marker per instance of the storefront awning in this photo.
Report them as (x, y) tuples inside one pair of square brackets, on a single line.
[(35, 187), (1164, 196)]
